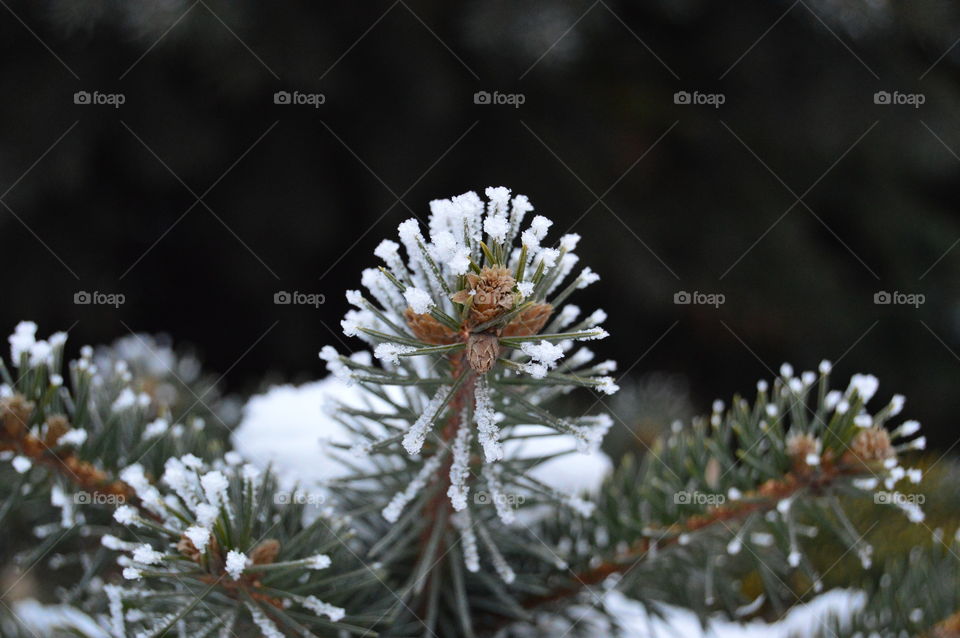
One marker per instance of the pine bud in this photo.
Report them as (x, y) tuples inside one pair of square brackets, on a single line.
[(803, 449), (529, 322), (489, 294), (870, 444), (57, 426), (482, 351), (15, 413), (427, 329), (266, 552)]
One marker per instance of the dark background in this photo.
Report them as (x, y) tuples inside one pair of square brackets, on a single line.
[(691, 198)]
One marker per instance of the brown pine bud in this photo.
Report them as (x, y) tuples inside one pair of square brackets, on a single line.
[(265, 552), (186, 547), (15, 413), (489, 294), (57, 426), (427, 329), (529, 322), (482, 351), (870, 444), (802, 448)]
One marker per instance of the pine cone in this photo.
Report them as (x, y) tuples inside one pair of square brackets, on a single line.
[(489, 294), (482, 351)]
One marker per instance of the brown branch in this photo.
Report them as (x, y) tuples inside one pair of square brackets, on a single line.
[(762, 499)]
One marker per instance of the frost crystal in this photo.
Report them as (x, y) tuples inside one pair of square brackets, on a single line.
[(21, 464), (267, 627), (147, 555), (417, 434), (391, 352), (24, 336), (215, 486), (544, 355), (460, 467), (419, 300), (320, 561), (489, 433), (199, 536), (321, 608), (501, 502), (468, 538), (865, 385), (236, 563), (393, 509), (499, 563), (125, 515)]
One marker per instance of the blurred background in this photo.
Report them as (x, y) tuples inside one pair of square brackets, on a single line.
[(795, 161)]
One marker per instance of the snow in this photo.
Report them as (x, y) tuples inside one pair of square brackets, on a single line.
[(391, 352), (288, 427), (803, 621), (284, 428), (865, 384), (199, 536), (321, 608), (21, 464), (236, 563), (419, 300), (320, 561), (46, 620)]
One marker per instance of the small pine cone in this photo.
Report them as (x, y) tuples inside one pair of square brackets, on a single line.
[(15, 413), (801, 446), (870, 444), (489, 294), (57, 426), (529, 322), (265, 552), (482, 351), (429, 330)]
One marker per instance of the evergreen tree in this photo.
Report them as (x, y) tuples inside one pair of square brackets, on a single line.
[(440, 528)]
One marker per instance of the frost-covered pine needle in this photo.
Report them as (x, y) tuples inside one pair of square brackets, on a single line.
[(417, 434), (487, 418), (321, 608), (460, 467), (394, 508), (501, 501), (504, 570)]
